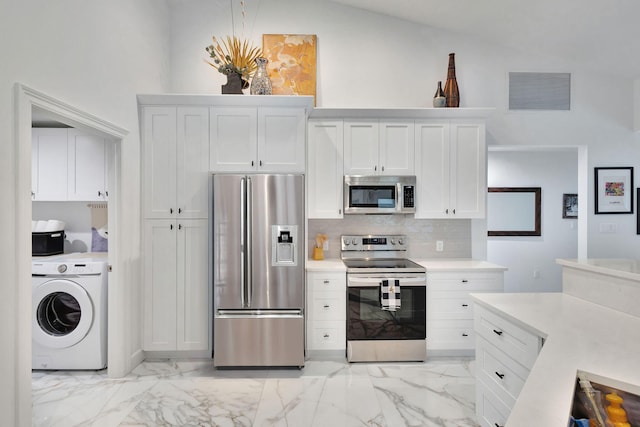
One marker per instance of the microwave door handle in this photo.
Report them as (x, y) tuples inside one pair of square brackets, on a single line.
[(399, 198)]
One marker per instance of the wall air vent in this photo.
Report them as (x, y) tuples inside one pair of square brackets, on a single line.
[(539, 91)]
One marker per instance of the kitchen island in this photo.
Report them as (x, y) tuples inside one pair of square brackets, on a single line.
[(579, 333)]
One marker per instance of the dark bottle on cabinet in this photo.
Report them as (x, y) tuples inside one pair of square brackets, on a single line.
[(451, 92)]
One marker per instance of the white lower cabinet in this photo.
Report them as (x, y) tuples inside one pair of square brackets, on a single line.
[(326, 310), (450, 309), (505, 353), (176, 290)]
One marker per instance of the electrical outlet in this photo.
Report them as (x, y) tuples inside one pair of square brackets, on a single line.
[(325, 245), (439, 246)]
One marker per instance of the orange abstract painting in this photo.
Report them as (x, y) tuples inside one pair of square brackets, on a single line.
[(292, 63)]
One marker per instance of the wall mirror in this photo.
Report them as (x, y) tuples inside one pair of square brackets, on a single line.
[(514, 211)]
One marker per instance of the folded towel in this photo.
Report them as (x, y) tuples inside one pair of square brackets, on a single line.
[(390, 295)]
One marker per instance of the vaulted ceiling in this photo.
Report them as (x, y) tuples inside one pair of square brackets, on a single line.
[(601, 35)]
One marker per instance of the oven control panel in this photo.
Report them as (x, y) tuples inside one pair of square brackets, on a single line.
[(396, 242)]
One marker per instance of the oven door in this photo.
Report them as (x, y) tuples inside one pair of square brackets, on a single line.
[(366, 320)]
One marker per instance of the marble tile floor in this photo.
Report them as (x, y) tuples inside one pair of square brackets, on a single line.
[(439, 392)]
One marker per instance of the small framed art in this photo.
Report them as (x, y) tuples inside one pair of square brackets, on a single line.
[(569, 205), (614, 190)]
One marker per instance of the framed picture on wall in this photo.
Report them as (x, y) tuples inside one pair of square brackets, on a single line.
[(614, 190), (569, 205)]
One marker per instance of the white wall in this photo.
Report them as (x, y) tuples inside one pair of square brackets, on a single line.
[(369, 60), (95, 56), (531, 259)]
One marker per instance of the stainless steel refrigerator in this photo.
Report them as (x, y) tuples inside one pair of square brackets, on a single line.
[(258, 270)]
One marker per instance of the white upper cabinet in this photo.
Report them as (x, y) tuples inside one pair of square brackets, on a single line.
[(373, 147), (68, 164), (450, 169), (234, 139), (175, 145), (49, 164), (325, 169), (87, 173), (264, 139)]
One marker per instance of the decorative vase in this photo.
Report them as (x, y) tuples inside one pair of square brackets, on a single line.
[(261, 84), (234, 85), (451, 92), (439, 100)]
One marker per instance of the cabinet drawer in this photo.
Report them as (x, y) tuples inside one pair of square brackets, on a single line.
[(450, 335), (498, 370), (449, 305), (327, 282), (490, 410), (328, 306), (520, 344), (326, 335), (471, 281)]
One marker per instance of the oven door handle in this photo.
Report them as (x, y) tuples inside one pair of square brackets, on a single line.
[(374, 281)]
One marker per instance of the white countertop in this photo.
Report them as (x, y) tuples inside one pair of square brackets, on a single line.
[(622, 268), (330, 264), (446, 264), (443, 264), (579, 335)]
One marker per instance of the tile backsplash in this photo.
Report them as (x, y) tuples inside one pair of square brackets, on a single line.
[(422, 233)]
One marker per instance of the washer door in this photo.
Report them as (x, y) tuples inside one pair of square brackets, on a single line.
[(62, 313)]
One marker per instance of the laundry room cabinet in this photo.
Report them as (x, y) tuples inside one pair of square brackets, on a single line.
[(68, 164), (176, 291), (451, 175)]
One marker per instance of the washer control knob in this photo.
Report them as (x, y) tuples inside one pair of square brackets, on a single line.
[(354, 241), (393, 241), (346, 242), (62, 268), (401, 241)]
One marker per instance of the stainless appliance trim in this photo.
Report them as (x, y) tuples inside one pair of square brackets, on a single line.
[(243, 240), (361, 281)]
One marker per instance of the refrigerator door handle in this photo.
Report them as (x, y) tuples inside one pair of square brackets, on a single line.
[(249, 238), (260, 313), (243, 249)]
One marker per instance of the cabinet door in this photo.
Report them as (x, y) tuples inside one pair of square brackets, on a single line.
[(192, 169), (159, 154), (281, 139), (160, 285), (432, 169), (192, 286), (325, 169), (233, 141), (86, 173), (397, 148), (361, 148), (49, 163), (468, 170)]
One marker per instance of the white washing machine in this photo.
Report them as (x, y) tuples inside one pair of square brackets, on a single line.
[(69, 314)]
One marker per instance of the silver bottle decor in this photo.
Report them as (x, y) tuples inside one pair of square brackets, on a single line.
[(439, 99), (260, 84)]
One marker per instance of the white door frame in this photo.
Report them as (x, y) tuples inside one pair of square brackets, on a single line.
[(26, 99)]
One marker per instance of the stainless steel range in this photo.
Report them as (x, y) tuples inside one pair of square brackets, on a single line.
[(386, 306)]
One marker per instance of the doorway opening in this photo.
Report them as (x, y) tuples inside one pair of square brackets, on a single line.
[(27, 102)]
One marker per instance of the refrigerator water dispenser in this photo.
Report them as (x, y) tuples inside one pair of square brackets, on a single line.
[(284, 240)]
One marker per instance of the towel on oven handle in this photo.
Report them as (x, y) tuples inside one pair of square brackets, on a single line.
[(390, 295)]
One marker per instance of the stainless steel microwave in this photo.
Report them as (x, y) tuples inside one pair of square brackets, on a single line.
[(379, 194)]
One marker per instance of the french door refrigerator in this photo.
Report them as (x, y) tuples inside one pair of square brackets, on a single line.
[(258, 270)]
